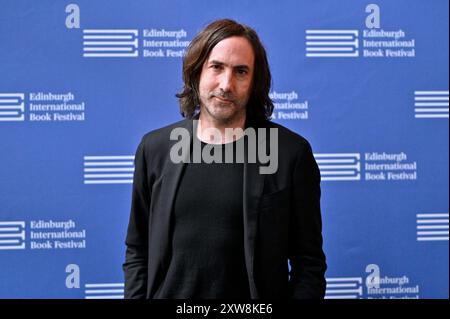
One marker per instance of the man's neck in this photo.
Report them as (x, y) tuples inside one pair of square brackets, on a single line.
[(229, 132)]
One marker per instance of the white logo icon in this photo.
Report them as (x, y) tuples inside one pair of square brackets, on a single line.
[(12, 235), (344, 288), (339, 166), (110, 43), (431, 104), (108, 169), (12, 107), (104, 291), (432, 227), (332, 43)]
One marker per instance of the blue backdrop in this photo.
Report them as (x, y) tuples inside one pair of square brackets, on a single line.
[(365, 82)]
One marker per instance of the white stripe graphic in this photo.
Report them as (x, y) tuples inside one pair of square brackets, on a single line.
[(7, 119), (22, 246), (431, 98), (354, 32), (432, 232), (133, 43), (432, 221), (109, 43), (111, 55), (12, 106), (432, 227), (18, 95), (339, 279), (9, 229), (131, 169), (124, 157), (325, 173), (107, 175), (108, 169), (108, 31), (345, 291), (328, 37), (104, 291), (342, 285), (13, 223), (431, 92), (9, 113), (333, 55), (105, 297), (108, 163), (104, 285), (9, 241), (125, 181), (19, 107), (429, 116), (357, 177), (320, 155), (432, 238), (332, 43), (432, 215), (12, 235), (329, 49), (337, 288), (431, 104), (339, 166), (95, 49), (107, 37), (324, 161), (430, 110), (341, 297)]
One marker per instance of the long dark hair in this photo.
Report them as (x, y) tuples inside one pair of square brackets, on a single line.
[(260, 105)]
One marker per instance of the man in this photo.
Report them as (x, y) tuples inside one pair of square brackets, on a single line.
[(209, 229)]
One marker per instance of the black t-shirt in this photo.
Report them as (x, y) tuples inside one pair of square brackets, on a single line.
[(208, 234)]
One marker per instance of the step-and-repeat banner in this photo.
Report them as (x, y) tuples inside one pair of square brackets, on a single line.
[(366, 82)]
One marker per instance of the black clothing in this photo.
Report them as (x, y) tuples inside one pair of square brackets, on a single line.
[(282, 218), (208, 234)]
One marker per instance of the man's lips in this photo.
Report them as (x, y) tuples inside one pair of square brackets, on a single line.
[(223, 100)]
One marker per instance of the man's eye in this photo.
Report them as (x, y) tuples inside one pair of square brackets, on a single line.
[(242, 72), (216, 66)]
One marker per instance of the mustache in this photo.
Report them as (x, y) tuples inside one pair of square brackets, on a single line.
[(223, 95)]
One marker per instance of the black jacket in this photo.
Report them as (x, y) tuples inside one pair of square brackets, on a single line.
[(282, 219)]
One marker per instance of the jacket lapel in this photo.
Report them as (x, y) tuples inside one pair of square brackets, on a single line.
[(252, 188), (171, 180)]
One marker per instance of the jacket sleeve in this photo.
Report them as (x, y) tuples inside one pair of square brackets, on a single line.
[(136, 255), (306, 256)]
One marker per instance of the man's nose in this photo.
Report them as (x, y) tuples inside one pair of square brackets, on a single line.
[(226, 81)]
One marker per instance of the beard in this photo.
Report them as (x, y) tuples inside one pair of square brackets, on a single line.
[(223, 107)]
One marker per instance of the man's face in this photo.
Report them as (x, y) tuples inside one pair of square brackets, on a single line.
[(226, 80)]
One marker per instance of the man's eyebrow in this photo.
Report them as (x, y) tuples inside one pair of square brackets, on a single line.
[(241, 66)]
